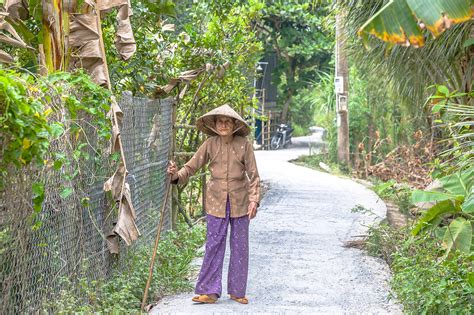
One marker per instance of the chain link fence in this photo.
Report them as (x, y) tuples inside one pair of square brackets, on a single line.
[(70, 242)]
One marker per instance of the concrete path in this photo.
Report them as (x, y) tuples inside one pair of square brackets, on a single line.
[(297, 262)]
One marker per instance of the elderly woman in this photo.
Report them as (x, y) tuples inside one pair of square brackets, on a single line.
[(232, 197)]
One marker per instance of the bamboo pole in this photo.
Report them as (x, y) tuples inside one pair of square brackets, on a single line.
[(102, 48), (114, 114), (263, 123), (157, 240), (174, 190), (178, 154), (183, 126)]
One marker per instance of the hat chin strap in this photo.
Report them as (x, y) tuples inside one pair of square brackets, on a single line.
[(241, 126), (213, 129)]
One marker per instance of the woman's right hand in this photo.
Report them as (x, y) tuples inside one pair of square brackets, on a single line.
[(172, 170)]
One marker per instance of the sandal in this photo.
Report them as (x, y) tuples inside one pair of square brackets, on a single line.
[(204, 299), (242, 300)]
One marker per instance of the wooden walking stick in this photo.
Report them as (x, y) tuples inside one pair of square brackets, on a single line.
[(157, 240)]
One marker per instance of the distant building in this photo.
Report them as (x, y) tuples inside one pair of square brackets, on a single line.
[(264, 86), (266, 92)]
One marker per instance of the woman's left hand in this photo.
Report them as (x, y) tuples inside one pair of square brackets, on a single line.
[(252, 209)]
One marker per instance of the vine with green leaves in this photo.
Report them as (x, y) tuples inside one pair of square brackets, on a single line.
[(185, 37), (36, 112)]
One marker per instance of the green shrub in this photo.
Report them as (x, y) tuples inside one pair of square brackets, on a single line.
[(424, 281), (299, 130), (123, 292), (399, 193)]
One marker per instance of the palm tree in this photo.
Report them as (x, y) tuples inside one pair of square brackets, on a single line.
[(407, 71), (396, 23)]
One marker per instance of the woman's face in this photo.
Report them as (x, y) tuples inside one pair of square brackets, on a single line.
[(225, 125)]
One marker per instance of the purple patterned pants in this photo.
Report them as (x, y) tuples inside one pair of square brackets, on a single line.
[(210, 277)]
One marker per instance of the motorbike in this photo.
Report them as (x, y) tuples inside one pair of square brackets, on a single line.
[(282, 137)]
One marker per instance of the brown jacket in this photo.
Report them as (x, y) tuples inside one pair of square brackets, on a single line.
[(233, 171)]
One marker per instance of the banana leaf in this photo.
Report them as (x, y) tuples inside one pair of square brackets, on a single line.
[(85, 40), (468, 205), (459, 183), (441, 209), (428, 196), (8, 34), (458, 235), (17, 9), (124, 39), (5, 57), (401, 21)]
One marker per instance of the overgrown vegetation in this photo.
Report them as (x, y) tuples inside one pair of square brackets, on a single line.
[(301, 36), (399, 193), (423, 281), (315, 162), (35, 112), (216, 39), (123, 291), (397, 139), (432, 260)]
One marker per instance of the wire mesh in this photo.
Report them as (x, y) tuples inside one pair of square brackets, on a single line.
[(70, 242)]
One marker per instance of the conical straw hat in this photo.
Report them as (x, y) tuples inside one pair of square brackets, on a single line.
[(207, 123)]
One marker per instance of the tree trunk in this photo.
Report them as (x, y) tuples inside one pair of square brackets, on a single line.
[(286, 107), (54, 33), (342, 99)]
